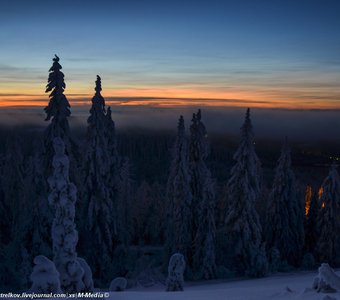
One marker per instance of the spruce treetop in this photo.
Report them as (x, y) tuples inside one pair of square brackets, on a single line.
[(199, 115), (58, 105), (247, 131), (109, 114), (98, 101), (245, 156), (198, 141), (285, 161), (98, 87)]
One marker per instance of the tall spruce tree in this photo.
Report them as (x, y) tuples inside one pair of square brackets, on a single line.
[(285, 212), (242, 225), (179, 198), (96, 193), (328, 244), (203, 203), (57, 113)]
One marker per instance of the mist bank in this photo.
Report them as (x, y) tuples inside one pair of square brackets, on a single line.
[(300, 125)]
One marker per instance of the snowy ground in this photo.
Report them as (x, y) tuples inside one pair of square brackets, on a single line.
[(292, 286)]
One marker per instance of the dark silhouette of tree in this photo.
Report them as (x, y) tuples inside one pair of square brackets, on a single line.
[(203, 203), (179, 198)]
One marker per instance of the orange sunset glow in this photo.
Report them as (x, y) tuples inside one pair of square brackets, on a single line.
[(173, 97)]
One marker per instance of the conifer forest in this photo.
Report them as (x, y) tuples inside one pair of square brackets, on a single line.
[(104, 208)]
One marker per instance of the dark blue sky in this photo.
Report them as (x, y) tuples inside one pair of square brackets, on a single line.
[(284, 52)]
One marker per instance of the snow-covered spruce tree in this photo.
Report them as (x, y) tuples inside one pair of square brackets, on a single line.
[(328, 244), (285, 212), (45, 277), (178, 229), (202, 204), (242, 226), (63, 197), (176, 268), (57, 113), (327, 280), (96, 191)]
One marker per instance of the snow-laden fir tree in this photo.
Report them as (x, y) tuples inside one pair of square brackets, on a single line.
[(57, 113), (118, 284), (242, 226), (45, 277), (179, 198), (328, 244), (96, 191), (327, 281), (176, 268), (63, 197), (203, 203), (285, 212)]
